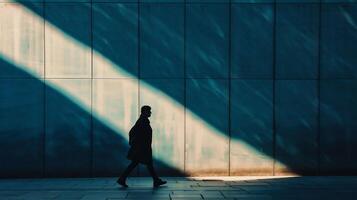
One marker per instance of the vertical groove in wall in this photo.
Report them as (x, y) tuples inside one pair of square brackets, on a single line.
[(44, 94), (91, 95), (229, 85), (139, 63), (273, 74), (184, 86), (318, 91)]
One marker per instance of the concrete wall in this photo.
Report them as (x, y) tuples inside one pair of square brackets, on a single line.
[(237, 87)]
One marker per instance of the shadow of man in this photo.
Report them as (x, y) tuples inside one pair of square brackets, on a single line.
[(140, 139)]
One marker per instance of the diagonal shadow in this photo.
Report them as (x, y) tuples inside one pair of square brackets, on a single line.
[(67, 143)]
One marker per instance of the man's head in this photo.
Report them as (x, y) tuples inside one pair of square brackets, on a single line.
[(146, 111)]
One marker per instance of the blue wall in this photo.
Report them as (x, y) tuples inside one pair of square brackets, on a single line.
[(281, 76)]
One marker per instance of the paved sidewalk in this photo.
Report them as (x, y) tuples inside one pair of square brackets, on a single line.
[(249, 188)]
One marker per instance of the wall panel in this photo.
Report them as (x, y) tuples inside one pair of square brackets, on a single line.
[(206, 121), (297, 31), (115, 110), (296, 126), (115, 40), (338, 126), (252, 41), (22, 39), (21, 127), (68, 40), (68, 128), (161, 41), (167, 122), (338, 41), (207, 40), (251, 118)]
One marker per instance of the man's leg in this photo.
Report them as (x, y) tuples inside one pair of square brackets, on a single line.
[(156, 179), (127, 171), (152, 171)]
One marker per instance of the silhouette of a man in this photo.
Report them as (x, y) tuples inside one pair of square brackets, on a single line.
[(140, 138)]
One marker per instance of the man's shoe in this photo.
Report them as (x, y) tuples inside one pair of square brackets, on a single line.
[(122, 182), (159, 182)]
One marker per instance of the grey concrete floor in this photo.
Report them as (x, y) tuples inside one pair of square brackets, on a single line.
[(260, 188)]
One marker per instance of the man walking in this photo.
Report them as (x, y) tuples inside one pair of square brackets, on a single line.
[(140, 138)]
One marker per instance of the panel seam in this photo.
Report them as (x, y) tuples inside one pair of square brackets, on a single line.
[(318, 92), (91, 100), (44, 93), (185, 84), (229, 86), (274, 85)]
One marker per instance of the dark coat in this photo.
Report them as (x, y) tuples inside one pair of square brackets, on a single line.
[(140, 138)]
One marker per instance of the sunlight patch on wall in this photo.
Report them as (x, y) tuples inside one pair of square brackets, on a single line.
[(65, 56), (167, 121), (207, 149), (21, 39), (115, 103)]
